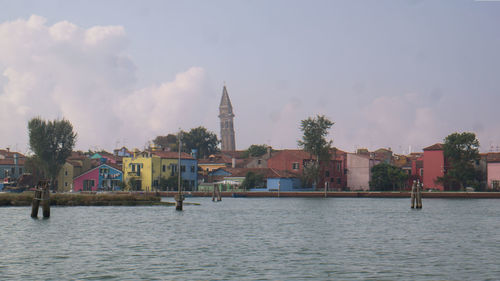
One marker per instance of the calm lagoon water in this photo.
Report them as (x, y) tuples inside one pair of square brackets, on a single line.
[(257, 239)]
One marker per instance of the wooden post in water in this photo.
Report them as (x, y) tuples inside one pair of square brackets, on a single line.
[(35, 204), (419, 195), (413, 195), (46, 202), (179, 197)]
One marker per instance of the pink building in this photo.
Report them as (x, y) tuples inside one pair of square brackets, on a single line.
[(434, 166), (493, 160), (104, 177)]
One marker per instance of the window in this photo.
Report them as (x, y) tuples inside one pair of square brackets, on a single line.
[(20, 171), (163, 168), (338, 167), (331, 179), (339, 180), (66, 172), (295, 166), (192, 169), (259, 162), (133, 167), (155, 183), (327, 173), (183, 169), (65, 183), (13, 171)]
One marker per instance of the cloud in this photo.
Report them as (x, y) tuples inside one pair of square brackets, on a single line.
[(85, 76), (393, 121)]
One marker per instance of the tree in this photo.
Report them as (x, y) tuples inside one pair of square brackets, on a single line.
[(314, 140), (204, 141), (168, 142), (386, 177), (253, 180), (461, 150), (255, 150), (51, 143), (310, 174)]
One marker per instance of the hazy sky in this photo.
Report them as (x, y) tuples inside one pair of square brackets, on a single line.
[(388, 73)]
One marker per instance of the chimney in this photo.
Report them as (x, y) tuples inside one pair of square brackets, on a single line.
[(233, 162), (269, 149)]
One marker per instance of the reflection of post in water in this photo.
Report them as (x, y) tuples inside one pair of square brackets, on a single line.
[(42, 194), (179, 198), (216, 193)]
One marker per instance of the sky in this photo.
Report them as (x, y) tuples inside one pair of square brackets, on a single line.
[(390, 74)]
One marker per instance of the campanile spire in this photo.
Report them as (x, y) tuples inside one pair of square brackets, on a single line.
[(226, 117)]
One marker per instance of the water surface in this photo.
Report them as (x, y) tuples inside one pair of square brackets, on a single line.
[(257, 239)]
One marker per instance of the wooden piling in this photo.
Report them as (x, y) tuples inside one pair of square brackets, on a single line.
[(46, 202), (413, 194), (35, 204), (419, 196)]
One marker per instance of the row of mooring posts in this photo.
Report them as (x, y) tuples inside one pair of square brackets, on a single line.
[(42, 195), (416, 195), (216, 193)]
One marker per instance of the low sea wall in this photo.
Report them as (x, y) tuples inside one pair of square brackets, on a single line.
[(351, 194)]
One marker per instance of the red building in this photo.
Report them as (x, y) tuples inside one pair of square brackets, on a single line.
[(332, 172), (434, 166)]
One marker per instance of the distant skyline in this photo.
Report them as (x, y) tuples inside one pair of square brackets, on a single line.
[(390, 74)]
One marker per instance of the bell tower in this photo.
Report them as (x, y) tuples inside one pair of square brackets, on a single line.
[(226, 117)]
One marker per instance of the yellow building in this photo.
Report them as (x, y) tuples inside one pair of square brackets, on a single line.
[(144, 170)]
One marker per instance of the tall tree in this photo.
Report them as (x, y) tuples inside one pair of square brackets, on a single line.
[(386, 177), (204, 141), (168, 142), (51, 143), (314, 140), (461, 150)]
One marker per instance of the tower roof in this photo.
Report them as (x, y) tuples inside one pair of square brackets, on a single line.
[(225, 106)]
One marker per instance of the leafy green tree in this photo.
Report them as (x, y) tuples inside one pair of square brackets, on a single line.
[(461, 150), (255, 150), (204, 141), (168, 142), (314, 140), (51, 143), (386, 177), (253, 180), (310, 174)]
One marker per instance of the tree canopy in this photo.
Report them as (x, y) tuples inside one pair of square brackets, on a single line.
[(204, 141), (256, 150), (386, 177), (51, 143), (168, 142), (314, 140), (253, 180), (461, 150)]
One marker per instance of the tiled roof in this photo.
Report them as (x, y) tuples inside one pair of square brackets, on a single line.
[(493, 157), (437, 146), (10, 161), (172, 155)]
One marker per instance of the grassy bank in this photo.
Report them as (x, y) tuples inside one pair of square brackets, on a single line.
[(59, 199)]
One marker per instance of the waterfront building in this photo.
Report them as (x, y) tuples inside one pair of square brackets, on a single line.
[(105, 177), (434, 166), (75, 165), (226, 117), (493, 171), (11, 165), (145, 170), (359, 171)]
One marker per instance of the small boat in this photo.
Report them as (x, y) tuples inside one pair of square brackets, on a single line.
[(238, 195)]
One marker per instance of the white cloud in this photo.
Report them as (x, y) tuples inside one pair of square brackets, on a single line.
[(85, 76)]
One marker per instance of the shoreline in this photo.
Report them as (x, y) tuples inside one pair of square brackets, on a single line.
[(340, 194)]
